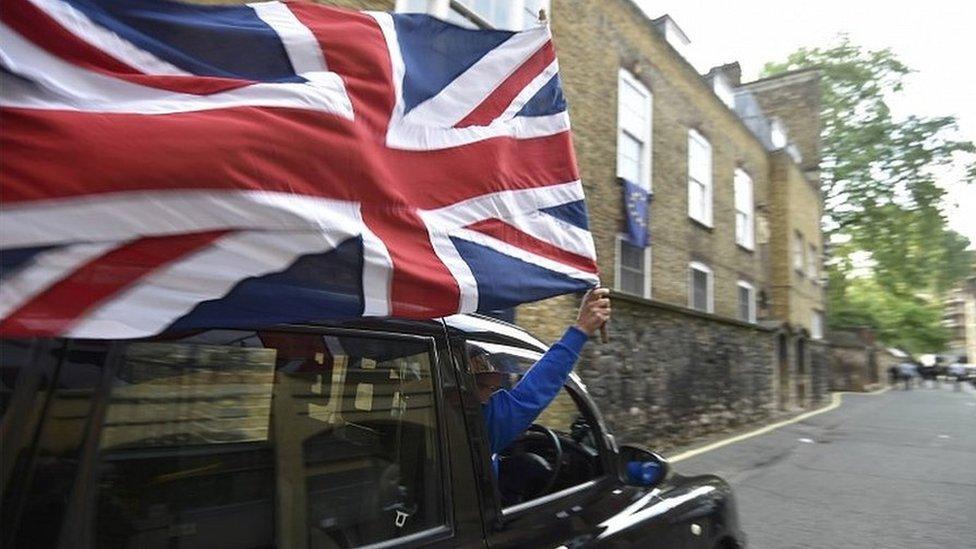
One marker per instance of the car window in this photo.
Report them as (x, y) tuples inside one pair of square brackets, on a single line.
[(51, 388), (531, 455), (245, 439)]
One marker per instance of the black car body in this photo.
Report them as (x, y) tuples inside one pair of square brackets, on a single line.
[(333, 435)]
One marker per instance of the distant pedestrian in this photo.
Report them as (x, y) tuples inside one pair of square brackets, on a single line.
[(907, 371)]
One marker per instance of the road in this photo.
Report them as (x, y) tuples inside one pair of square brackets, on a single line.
[(891, 470)]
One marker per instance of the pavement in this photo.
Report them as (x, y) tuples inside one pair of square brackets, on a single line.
[(890, 470)]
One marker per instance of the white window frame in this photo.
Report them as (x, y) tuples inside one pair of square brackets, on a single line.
[(709, 286), (617, 266), (752, 300), (639, 132), (799, 252), (812, 263), (707, 186), (817, 321), (743, 194), (514, 14)]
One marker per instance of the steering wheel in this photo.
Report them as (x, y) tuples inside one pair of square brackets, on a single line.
[(557, 447)]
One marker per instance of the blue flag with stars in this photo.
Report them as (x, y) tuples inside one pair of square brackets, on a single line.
[(635, 209)]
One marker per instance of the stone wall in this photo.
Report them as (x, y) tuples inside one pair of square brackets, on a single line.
[(674, 375), (819, 373)]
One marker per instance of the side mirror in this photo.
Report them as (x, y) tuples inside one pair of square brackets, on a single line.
[(642, 467)]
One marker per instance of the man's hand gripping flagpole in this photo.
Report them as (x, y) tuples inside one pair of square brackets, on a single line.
[(594, 312)]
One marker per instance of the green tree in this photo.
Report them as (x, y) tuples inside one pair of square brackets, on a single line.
[(881, 196)]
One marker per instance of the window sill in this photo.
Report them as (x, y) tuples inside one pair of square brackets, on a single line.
[(745, 248), (701, 224)]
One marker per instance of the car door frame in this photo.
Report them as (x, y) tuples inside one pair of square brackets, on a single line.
[(463, 525), (504, 526)]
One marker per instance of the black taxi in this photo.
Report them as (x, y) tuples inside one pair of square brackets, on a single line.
[(365, 433)]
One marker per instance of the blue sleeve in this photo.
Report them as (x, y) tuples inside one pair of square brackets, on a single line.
[(509, 413)]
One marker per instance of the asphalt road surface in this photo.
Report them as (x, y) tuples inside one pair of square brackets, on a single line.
[(891, 470)]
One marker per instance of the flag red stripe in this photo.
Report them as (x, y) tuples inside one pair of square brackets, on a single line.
[(512, 235), (422, 286), (498, 100), (55, 310), (354, 47), (40, 28), (249, 148)]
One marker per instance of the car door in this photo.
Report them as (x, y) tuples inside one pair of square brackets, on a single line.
[(289, 437), (572, 515)]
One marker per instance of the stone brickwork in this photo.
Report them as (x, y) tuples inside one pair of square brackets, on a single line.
[(675, 375)]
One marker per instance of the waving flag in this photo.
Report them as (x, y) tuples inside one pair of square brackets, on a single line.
[(170, 166)]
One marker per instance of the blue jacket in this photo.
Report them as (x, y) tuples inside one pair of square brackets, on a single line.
[(509, 413)]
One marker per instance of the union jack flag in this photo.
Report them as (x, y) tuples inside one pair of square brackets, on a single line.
[(177, 166)]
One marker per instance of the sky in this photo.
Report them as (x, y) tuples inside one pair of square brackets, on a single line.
[(936, 38)]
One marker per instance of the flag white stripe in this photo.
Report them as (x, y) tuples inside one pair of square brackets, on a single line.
[(556, 232), (105, 40), (530, 90), (427, 138), (51, 83), (385, 22), (377, 275), (505, 204), (163, 213), (471, 87), (451, 258), (300, 44), (163, 296), (46, 269), (524, 255)]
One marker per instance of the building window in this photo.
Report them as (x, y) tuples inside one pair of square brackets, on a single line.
[(747, 301), (632, 268), (745, 211), (817, 325), (798, 250), (812, 261), (699, 178), (497, 14), (633, 130), (700, 294), (777, 133)]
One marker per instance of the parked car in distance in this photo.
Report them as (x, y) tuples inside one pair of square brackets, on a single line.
[(365, 433)]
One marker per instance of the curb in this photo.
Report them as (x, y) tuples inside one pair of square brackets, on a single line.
[(835, 402)]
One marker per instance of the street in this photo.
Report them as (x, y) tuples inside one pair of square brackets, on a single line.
[(891, 470)]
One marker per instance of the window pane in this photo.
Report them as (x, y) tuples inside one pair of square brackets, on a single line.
[(631, 257), (634, 104), (629, 158), (745, 304), (699, 289), (696, 200), (507, 15), (798, 251), (699, 160), (75, 383), (632, 282)]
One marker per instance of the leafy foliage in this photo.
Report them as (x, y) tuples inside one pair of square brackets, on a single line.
[(881, 196)]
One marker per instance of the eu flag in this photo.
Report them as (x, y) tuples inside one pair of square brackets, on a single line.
[(635, 210)]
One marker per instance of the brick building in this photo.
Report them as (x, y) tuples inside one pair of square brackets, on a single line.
[(959, 319)]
